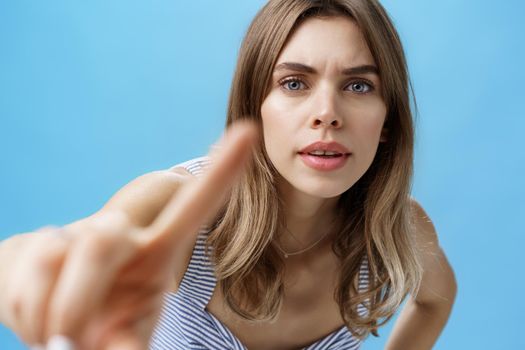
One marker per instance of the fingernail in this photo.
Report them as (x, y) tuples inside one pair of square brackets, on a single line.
[(59, 342)]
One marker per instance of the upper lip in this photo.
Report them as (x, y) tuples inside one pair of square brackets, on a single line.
[(325, 146)]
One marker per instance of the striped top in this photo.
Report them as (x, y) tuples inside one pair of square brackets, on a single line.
[(185, 323)]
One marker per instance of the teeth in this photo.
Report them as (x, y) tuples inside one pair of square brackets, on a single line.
[(323, 153)]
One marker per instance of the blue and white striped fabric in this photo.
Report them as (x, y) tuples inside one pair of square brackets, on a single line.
[(185, 323)]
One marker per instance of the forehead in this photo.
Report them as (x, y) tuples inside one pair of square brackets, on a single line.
[(318, 41)]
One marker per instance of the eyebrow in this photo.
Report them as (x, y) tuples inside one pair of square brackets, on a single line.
[(299, 67)]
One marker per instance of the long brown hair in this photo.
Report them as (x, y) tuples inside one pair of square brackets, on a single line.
[(376, 221)]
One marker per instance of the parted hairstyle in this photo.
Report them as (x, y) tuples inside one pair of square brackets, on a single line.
[(375, 211)]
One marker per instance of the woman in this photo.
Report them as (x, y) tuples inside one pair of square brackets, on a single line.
[(301, 233)]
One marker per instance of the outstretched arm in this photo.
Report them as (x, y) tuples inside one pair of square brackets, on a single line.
[(424, 315), (100, 281)]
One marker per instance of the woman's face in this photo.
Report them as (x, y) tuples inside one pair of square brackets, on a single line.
[(324, 88)]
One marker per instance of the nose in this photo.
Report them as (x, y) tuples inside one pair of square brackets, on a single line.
[(318, 122), (325, 113)]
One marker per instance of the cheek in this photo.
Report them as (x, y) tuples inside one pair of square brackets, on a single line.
[(276, 125), (366, 128), (370, 120)]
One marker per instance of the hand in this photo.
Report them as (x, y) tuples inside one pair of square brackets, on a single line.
[(101, 284)]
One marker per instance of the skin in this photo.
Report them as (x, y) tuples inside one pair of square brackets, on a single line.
[(323, 105)]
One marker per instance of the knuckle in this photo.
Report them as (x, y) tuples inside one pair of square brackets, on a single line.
[(48, 228), (111, 222), (99, 246), (121, 221), (14, 306), (46, 253), (45, 242), (48, 259)]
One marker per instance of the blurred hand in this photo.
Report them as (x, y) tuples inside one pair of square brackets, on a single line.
[(101, 283)]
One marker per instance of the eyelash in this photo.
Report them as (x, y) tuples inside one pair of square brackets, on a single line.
[(371, 87)]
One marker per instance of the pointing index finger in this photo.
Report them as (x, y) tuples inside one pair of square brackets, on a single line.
[(199, 200)]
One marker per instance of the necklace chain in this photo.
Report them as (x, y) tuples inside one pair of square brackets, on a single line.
[(287, 254), (293, 236)]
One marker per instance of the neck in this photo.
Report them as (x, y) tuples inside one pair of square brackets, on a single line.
[(307, 217)]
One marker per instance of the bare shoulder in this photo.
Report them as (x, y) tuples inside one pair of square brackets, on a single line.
[(424, 226), (144, 197), (438, 284)]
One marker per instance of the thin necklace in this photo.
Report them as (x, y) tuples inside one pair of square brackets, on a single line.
[(293, 236), (286, 254)]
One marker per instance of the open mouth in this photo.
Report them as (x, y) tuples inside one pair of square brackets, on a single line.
[(326, 155), (336, 155)]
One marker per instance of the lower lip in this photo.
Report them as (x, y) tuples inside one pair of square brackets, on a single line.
[(324, 164)]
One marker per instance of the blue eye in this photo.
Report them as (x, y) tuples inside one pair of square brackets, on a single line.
[(361, 87), (292, 84)]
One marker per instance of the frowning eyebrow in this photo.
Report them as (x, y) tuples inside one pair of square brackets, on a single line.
[(299, 67)]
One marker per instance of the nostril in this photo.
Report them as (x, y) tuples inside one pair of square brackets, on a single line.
[(334, 123)]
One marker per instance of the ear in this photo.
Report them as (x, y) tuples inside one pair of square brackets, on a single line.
[(384, 135)]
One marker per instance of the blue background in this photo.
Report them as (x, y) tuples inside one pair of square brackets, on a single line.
[(93, 94)]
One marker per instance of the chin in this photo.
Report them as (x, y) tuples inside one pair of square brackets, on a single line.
[(326, 191), (319, 188)]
